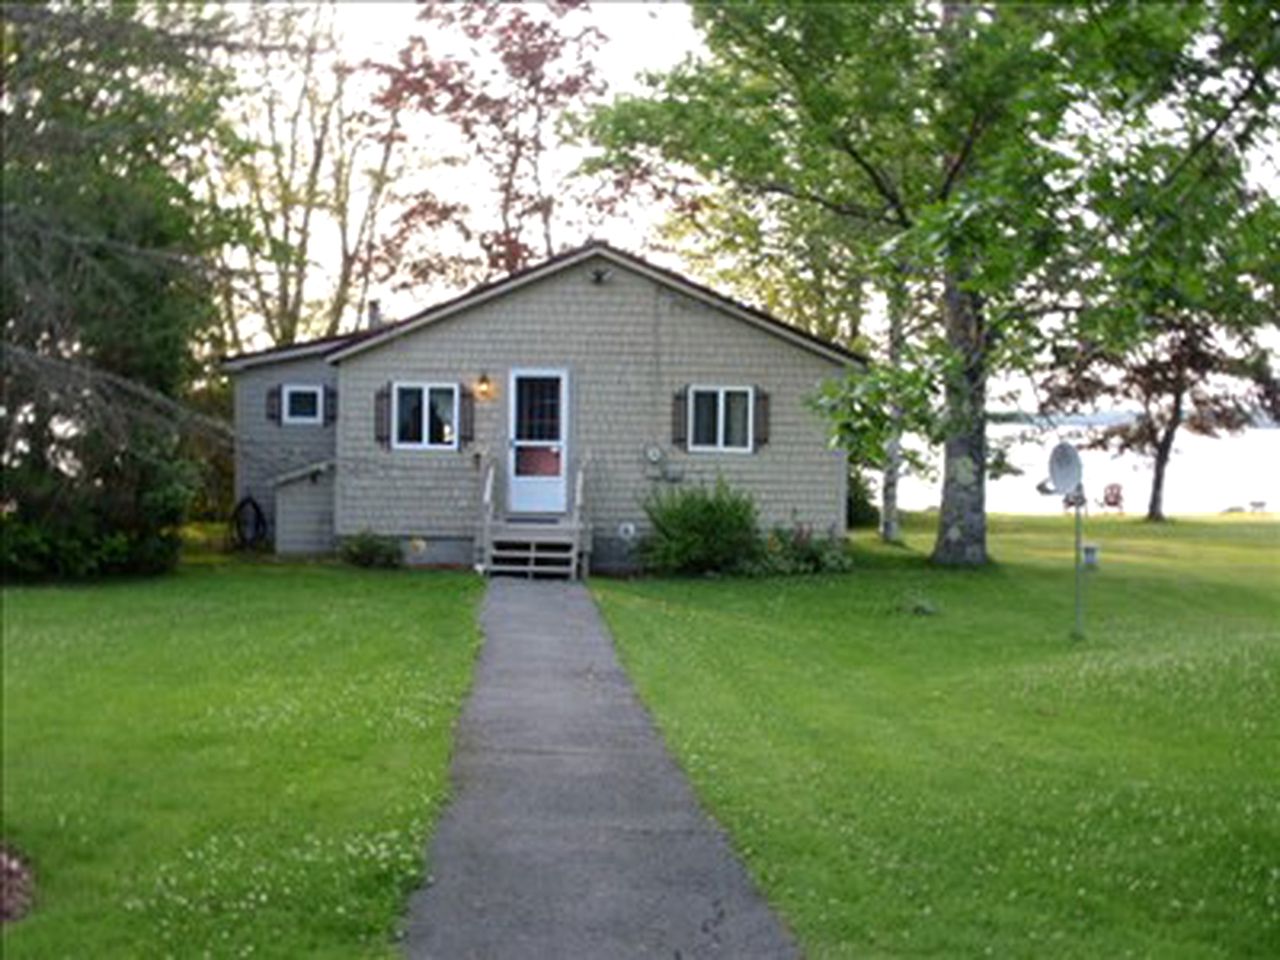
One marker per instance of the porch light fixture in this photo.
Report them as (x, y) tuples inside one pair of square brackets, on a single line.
[(484, 387)]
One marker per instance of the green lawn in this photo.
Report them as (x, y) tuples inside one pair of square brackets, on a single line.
[(245, 757), (972, 782)]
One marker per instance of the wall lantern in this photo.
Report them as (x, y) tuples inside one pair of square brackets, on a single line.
[(484, 387)]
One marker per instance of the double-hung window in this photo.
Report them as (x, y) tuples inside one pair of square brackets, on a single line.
[(302, 405), (424, 416), (721, 419)]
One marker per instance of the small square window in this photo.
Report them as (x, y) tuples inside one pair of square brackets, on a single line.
[(720, 419), (303, 405)]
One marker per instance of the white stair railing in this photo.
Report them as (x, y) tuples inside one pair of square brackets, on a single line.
[(581, 529), (488, 511)]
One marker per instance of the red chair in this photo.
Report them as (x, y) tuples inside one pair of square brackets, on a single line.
[(1112, 497)]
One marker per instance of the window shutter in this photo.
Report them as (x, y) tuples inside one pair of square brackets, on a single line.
[(273, 404), (680, 419), (382, 415), (760, 429), (466, 415), (330, 404)]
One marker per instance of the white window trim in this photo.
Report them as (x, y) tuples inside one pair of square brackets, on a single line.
[(719, 445), (426, 389), (288, 390)]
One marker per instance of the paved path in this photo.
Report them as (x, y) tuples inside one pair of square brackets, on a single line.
[(572, 834)]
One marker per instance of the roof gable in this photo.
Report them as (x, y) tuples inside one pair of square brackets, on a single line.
[(373, 339), (339, 348)]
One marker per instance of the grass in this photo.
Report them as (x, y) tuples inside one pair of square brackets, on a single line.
[(242, 758), (970, 781)]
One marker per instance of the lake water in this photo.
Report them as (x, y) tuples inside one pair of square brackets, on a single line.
[(1204, 475)]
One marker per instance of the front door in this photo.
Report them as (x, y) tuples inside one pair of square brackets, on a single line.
[(539, 430)]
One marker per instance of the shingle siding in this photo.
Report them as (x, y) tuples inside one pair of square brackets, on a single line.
[(628, 345), (265, 449), (304, 514)]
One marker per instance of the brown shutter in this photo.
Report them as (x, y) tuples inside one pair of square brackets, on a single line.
[(273, 404), (680, 419), (466, 416), (330, 404), (382, 415), (760, 428)]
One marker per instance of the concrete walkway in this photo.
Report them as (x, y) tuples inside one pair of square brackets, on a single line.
[(572, 833)]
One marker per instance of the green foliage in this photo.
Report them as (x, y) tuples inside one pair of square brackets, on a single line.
[(860, 507), (1016, 165), (131, 526), (108, 113), (242, 759), (368, 549), (919, 763), (698, 529), (792, 551)]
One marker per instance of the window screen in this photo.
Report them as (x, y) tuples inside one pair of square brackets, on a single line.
[(538, 408), (304, 404), (706, 418), (737, 418), (443, 417), (409, 415)]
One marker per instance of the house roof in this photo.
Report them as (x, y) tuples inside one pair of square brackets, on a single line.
[(336, 349), (291, 351)]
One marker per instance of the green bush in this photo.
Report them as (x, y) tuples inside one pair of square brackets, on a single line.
[(795, 550), (860, 507), (36, 551), (700, 530), (125, 519), (368, 549)]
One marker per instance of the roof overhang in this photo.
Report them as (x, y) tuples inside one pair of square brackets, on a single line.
[(297, 351)]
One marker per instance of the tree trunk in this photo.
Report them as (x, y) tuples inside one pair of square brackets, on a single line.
[(1164, 450), (890, 528), (962, 525)]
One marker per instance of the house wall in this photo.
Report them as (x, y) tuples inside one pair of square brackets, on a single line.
[(628, 344), (265, 449), (304, 514)]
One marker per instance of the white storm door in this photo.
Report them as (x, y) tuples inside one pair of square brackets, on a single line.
[(539, 415)]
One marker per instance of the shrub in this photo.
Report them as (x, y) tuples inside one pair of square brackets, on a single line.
[(36, 551), (368, 549), (795, 550), (700, 530), (860, 507), (122, 520)]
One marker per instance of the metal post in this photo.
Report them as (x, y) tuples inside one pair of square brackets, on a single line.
[(1078, 633)]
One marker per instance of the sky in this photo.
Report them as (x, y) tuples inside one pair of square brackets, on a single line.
[(640, 36)]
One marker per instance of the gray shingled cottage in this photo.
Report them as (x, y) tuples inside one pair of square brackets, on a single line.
[(521, 426)]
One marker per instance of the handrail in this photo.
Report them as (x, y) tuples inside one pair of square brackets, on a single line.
[(490, 470), (579, 485), (487, 510)]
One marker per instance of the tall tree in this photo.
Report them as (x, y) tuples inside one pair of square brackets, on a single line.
[(104, 286), (500, 77), (314, 182), (1201, 272), (818, 102)]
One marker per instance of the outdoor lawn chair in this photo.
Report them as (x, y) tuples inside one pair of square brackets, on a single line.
[(1112, 497)]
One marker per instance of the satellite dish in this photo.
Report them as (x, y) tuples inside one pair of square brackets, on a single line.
[(1065, 471)]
